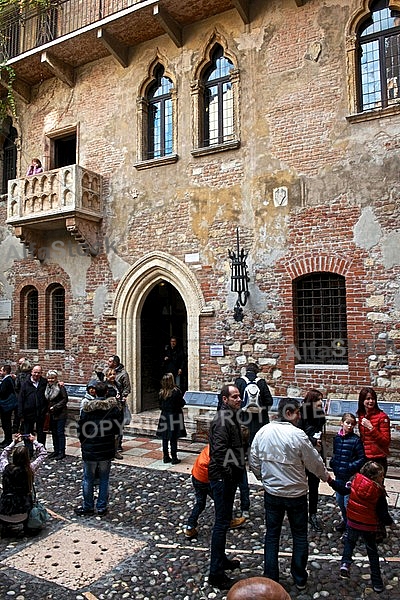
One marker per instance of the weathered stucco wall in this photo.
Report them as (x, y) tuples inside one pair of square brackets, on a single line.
[(343, 197)]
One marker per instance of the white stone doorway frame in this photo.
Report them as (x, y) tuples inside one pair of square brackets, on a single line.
[(127, 309)]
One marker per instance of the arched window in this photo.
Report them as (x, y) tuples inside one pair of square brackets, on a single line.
[(319, 303), (160, 134), (56, 317), (379, 58), (9, 167), (30, 317), (218, 100)]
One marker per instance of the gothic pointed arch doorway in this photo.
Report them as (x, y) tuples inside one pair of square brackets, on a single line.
[(134, 290), (163, 315)]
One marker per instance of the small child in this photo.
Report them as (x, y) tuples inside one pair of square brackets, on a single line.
[(202, 489), (90, 394), (348, 458), (366, 507)]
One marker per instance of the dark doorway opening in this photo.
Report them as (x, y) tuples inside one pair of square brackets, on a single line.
[(163, 315), (64, 151)]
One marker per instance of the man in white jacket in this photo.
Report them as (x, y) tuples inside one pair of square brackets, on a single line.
[(278, 457)]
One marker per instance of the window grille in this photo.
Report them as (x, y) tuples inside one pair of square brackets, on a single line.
[(58, 319), (32, 328), (320, 319)]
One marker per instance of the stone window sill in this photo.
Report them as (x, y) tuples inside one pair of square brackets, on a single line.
[(311, 367), (232, 145), (377, 113), (156, 162)]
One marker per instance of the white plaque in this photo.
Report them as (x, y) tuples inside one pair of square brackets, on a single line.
[(217, 350), (5, 309)]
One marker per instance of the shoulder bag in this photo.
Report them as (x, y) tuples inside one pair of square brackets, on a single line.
[(38, 515)]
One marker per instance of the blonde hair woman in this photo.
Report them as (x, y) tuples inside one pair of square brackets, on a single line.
[(57, 398)]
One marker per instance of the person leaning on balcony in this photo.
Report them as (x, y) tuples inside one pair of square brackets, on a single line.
[(35, 167)]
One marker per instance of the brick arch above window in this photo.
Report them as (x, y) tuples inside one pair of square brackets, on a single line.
[(310, 263)]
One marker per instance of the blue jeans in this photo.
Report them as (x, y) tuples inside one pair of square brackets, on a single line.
[(58, 435), (296, 509), (223, 492), (343, 502), (201, 491), (369, 538), (89, 470)]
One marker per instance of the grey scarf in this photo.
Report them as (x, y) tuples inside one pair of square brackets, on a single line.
[(52, 391)]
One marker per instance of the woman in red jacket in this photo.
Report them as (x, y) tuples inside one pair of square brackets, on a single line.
[(374, 426)]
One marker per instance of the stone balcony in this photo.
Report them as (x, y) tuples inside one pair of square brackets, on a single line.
[(68, 198)]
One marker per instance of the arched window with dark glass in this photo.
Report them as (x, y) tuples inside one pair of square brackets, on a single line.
[(56, 317), (379, 57), (320, 316), (218, 100), (30, 308), (160, 133), (9, 167)]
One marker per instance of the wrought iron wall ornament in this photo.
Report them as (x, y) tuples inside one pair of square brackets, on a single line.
[(239, 278)]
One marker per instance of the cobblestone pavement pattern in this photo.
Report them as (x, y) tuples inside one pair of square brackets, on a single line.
[(138, 550)]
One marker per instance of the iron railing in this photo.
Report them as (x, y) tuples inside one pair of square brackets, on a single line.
[(29, 29)]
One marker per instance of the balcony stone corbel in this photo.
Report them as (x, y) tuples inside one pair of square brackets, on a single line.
[(243, 8), (117, 49), (32, 240), (62, 70), (20, 88), (168, 23), (86, 233)]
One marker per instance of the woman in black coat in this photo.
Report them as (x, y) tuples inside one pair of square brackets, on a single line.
[(171, 425), (8, 403), (57, 398)]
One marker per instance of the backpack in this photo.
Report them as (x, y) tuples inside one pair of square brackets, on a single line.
[(251, 396)]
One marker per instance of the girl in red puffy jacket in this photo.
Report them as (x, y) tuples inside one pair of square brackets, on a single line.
[(374, 426), (367, 507)]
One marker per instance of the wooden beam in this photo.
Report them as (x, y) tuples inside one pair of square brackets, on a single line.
[(62, 70), (168, 23), (20, 88), (243, 8), (117, 49)]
